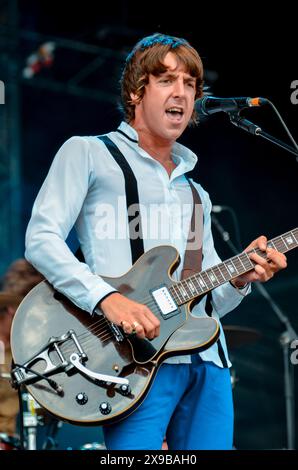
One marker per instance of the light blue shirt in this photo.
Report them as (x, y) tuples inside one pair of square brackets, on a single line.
[(85, 188)]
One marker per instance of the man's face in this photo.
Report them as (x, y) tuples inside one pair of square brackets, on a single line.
[(168, 101)]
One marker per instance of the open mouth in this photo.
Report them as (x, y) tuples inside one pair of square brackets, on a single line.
[(175, 113)]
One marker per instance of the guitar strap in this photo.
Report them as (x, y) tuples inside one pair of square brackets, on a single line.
[(132, 199), (193, 252)]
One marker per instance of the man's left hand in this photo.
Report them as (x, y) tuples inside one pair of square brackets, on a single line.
[(264, 268)]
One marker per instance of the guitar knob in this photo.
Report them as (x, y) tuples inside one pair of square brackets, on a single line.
[(81, 398), (105, 408), (125, 390)]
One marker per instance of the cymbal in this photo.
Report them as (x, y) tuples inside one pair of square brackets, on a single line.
[(9, 299), (239, 335)]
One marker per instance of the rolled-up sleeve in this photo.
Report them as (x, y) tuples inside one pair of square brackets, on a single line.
[(54, 213)]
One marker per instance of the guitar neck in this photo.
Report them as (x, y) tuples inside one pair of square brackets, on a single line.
[(201, 283)]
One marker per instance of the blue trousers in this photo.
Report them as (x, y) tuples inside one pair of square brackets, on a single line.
[(190, 404)]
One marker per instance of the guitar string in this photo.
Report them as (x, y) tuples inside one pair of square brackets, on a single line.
[(66, 350), (105, 335), (149, 304), (101, 331), (91, 339), (102, 325), (149, 301), (104, 339), (95, 330), (102, 322), (278, 243), (99, 326)]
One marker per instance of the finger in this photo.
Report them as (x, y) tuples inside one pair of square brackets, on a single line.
[(149, 328), (151, 324), (258, 259), (154, 321), (273, 257), (157, 331), (156, 326), (274, 262), (127, 327), (261, 272), (254, 276), (138, 329), (277, 259), (260, 242)]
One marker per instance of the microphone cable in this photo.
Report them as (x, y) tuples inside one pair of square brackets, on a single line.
[(283, 124)]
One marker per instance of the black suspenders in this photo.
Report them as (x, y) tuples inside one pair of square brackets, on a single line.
[(132, 200)]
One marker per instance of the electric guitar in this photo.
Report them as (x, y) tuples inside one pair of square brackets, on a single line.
[(86, 370)]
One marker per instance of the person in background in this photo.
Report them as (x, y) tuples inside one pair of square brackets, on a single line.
[(18, 280)]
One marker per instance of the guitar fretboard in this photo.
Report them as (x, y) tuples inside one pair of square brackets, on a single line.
[(203, 282)]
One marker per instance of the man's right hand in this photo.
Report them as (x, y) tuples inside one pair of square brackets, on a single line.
[(131, 316)]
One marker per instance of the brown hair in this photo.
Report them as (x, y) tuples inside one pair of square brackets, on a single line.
[(147, 58), (20, 278)]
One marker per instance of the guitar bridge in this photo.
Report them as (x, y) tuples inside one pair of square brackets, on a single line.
[(23, 375)]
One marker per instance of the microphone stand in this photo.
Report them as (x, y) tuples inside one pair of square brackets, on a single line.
[(254, 129), (285, 340)]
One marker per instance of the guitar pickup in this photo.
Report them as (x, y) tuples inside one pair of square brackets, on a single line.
[(165, 302)]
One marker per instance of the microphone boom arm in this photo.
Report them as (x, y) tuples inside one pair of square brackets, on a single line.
[(254, 129)]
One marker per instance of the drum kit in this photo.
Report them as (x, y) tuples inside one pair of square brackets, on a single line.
[(33, 416)]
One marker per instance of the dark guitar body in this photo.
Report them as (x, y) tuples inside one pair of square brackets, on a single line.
[(45, 313)]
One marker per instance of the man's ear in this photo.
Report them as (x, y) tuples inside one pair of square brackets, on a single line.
[(135, 99)]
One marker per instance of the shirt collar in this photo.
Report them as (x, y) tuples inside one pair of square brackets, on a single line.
[(129, 132), (180, 152)]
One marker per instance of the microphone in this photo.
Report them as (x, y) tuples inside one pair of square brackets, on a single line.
[(211, 104)]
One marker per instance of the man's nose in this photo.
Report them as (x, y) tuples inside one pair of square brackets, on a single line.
[(178, 89)]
